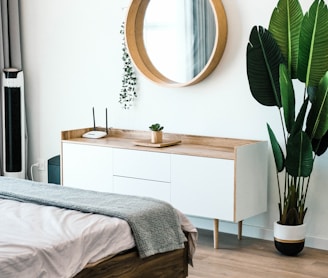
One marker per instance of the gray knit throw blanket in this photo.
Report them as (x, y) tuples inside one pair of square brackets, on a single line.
[(154, 223)]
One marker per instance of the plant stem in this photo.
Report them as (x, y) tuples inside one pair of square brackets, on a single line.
[(279, 192), (282, 125)]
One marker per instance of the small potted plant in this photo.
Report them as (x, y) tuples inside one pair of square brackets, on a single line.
[(294, 47), (156, 133)]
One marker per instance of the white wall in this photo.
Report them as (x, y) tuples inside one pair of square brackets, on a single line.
[(72, 61)]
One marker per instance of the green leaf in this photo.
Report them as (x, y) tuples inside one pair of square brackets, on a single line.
[(287, 97), (299, 158), (320, 146), (311, 92), (298, 125), (313, 44), (317, 121), (277, 151), (156, 127), (263, 60), (285, 24)]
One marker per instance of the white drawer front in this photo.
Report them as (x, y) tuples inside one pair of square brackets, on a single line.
[(142, 165), (130, 186), (203, 186)]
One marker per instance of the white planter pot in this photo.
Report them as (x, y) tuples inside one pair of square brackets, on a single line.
[(289, 240)]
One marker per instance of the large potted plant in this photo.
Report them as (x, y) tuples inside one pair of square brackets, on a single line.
[(293, 53)]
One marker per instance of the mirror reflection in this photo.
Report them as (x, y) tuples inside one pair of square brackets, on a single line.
[(179, 37)]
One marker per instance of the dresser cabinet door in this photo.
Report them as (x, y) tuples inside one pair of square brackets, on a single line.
[(203, 186), (87, 167)]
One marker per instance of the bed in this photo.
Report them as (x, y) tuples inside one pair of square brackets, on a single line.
[(53, 231)]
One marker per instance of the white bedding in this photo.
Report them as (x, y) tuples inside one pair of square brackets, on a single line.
[(60, 242)]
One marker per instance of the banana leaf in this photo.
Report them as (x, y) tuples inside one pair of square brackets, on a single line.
[(320, 146), (299, 157), (263, 60), (313, 42), (285, 24), (277, 150), (317, 120), (298, 125), (287, 97)]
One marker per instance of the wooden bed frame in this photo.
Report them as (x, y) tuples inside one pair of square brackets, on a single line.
[(129, 265)]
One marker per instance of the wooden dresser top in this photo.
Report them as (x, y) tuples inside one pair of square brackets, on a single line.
[(194, 145)]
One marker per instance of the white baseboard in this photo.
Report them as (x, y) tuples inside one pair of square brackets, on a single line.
[(315, 242), (254, 231)]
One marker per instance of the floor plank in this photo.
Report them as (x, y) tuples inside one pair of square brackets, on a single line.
[(253, 258)]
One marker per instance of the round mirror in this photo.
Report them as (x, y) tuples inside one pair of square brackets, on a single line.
[(176, 42)]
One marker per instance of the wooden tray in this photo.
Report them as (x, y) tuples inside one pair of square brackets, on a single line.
[(148, 143)]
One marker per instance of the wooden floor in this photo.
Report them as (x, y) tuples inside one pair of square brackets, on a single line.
[(253, 258)]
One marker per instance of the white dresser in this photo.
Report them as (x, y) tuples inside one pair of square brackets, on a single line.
[(210, 177)]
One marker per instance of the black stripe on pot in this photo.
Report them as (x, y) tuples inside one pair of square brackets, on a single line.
[(289, 247)]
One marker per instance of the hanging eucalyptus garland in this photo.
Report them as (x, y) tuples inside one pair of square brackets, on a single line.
[(129, 80)]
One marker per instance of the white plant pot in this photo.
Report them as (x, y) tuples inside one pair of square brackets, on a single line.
[(289, 240)]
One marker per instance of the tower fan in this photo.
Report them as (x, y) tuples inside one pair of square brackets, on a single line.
[(13, 122)]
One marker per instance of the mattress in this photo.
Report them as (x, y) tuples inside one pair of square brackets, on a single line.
[(155, 224), (45, 241)]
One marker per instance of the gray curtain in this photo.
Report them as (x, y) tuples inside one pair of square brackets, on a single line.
[(10, 47)]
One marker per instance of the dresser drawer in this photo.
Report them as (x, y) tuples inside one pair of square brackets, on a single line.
[(142, 165), (139, 187)]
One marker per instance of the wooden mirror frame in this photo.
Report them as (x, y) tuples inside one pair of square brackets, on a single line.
[(136, 47)]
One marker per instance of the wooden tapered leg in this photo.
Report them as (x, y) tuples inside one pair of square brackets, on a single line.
[(240, 230), (216, 233)]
